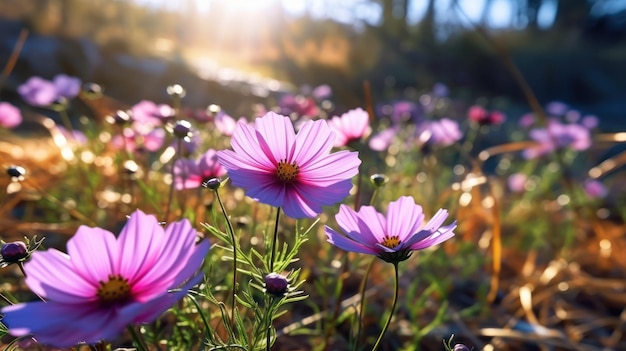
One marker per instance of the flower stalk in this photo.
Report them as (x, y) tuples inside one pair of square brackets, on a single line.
[(393, 307)]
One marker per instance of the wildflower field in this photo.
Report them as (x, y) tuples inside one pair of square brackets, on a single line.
[(426, 222)]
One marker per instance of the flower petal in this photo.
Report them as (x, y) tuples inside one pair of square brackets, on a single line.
[(346, 244), (94, 253), (61, 325), (314, 141), (51, 274), (330, 169), (172, 259), (351, 223), (404, 217), (277, 136), (138, 254), (247, 150), (441, 235)]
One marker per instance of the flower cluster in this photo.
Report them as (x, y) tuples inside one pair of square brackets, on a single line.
[(37, 91)]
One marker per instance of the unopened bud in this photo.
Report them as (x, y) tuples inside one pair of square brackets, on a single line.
[(276, 284), (16, 172), (182, 129), (13, 252), (176, 90), (213, 183), (379, 179)]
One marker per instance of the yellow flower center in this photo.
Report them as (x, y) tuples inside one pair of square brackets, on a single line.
[(287, 172), (391, 242), (114, 290)]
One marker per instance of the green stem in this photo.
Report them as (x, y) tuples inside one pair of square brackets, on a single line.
[(6, 299), (137, 339), (274, 241), (171, 195), (357, 196), (234, 244), (362, 301), (393, 308), (374, 193), (67, 123), (268, 316)]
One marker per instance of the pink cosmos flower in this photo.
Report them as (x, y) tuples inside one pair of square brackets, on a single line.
[(442, 132), (595, 189), (297, 172), (406, 111), (41, 92), (67, 86), (10, 115), (148, 113), (38, 91), (557, 108), (392, 237), (322, 92), (558, 136), (106, 283), (483, 117), (226, 124), (190, 174), (383, 139), (150, 140), (301, 105), (351, 126), (517, 182)]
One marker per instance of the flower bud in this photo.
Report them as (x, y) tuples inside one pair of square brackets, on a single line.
[(276, 284), (130, 167), (182, 129), (213, 183), (16, 171), (122, 117), (92, 90), (59, 104), (379, 179), (460, 347), (176, 90), (14, 252)]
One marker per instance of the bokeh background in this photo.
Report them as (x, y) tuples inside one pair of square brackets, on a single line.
[(236, 52)]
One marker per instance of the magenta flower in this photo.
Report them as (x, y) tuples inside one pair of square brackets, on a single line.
[(483, 117), (383, 139), (38, 91), (589, 121), (297, 172), (226, 124), (10, 115), (351, 126), (517, 182), (147, 113), (41, 92), (595, 189), (322, 92), (300, 105), (67, 87), (106, 283), (190, 174), (150, 140), (392, 237), (558, 136), (557, 108), (442, 132), (406, 111)]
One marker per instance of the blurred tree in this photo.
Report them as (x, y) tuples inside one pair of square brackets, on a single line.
[(572, 14)]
